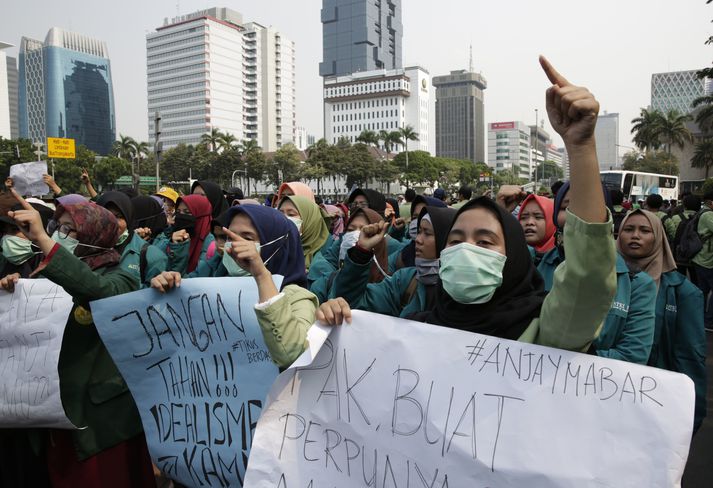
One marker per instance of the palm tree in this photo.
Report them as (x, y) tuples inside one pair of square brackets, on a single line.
[(124, 147), (703, 156), (140, 150), (645, 129), (212, 139), (368, 137), (227, 141), (408, 134), (672, 130), (704, 116), (246, 148)]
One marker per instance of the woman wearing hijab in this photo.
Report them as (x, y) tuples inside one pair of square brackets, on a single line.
[(406, 256), (409, 290), (536, 218), (367, 198), (487, 281), (187, 241), (361, 217), (308, 219), (213, 193), (679, 338), (262, 242), (628, 330), (80, 256), (129, 244), (294, 188)]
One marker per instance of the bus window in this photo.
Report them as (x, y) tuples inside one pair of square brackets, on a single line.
[(626, 189)]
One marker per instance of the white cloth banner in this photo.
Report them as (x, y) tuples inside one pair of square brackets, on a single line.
[(393, 403), (27, 178), (32, 322)]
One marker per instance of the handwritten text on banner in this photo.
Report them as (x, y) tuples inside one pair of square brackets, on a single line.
[(393, 403), (197, 366)]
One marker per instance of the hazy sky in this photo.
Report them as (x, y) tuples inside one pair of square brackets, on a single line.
[(612, 47)]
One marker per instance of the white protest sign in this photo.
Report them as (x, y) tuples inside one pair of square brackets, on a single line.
[(393, 403), (32, 322), (27, 178)]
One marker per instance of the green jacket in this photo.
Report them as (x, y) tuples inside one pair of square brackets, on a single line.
[(705, 230), (671, 223), (94, 394), (156, 261), (583, 288), (284, 323), (628, 331), (679, 337), (212, 268), (385, 297)]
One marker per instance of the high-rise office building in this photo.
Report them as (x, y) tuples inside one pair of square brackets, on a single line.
[(607, 136), (677, 90), (13, 87), (360, 35), (5, 103), (460, 117), (208, 70), (65, 90), (376, 101), (509, 148)]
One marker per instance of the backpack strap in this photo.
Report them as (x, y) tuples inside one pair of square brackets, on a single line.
[(410, 291), (143, 262)]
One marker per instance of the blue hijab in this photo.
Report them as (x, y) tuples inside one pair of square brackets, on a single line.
[(288, 259)]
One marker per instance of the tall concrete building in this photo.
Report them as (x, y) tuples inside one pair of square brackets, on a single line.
[(607, 135), (13, 91), (360, 35), (677, 90), (5, 116), (460, 116), (65, 90), (378, 100), (509, 148), (208, 70)]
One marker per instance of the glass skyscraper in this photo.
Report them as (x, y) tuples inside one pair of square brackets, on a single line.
[(361, 35), (66, 90)]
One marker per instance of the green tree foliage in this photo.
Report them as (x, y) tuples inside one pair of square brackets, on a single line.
[(707, 186), (651, 162), (9, 149), (107, 170), (546, 170), (68, 172), (361, 164), (284, 165)]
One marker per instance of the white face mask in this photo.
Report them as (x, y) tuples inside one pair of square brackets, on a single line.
[(471, 274), (349, 240), (297, 221), (413, 228)]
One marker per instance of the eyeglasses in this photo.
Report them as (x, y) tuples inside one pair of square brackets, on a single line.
[(356, 205), (63, 230)]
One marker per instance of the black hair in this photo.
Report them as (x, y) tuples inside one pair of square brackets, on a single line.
[(409, 195), (692, 202), (708, 196), (465, 192), (617, 196), (556, 187), (654, 201)]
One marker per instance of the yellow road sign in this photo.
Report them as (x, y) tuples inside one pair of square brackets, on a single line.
[(60, 148)]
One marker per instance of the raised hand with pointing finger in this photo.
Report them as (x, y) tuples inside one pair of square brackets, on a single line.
[(246, 254)]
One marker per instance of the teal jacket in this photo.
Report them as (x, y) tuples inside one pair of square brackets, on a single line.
[(94, 394), (177, 252), (155, 260), (212, 268), (386, 297), (679, 337), (628, 331)]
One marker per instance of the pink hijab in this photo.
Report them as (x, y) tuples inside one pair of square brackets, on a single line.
[(297, 188)]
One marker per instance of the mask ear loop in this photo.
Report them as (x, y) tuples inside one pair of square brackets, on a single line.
[(386, 276), (276, 250)]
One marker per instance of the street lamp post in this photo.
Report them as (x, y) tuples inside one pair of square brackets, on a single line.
[(536, 144)]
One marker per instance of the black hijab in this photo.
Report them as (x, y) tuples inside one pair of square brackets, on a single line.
[(377, 201), (122, 202), (149, 213), (442, 219), (214, 194), (516, 302)]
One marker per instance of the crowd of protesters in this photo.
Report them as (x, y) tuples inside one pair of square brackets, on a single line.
[(582, 269)]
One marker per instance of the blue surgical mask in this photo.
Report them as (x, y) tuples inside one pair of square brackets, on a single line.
[(471, 274), (17, 250)]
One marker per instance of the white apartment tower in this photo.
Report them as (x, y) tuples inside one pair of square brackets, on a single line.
[(5, 97), (378, 100), (209, 70), (509, 148)]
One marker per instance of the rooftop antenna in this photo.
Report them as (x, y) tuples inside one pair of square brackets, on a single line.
[(470, 66)]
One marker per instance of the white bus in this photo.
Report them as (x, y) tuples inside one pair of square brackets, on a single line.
[(637, 186)]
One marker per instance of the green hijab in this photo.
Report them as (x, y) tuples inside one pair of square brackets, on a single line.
[(314, 232)]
